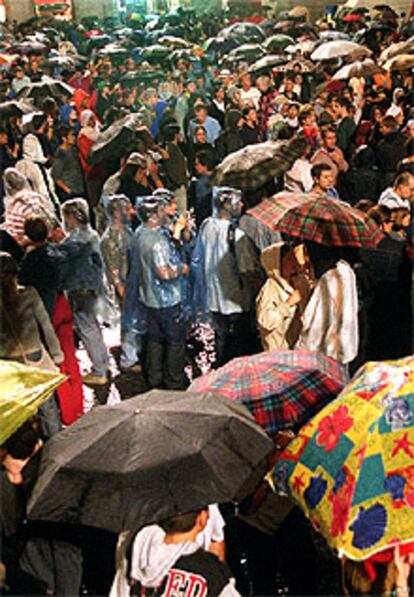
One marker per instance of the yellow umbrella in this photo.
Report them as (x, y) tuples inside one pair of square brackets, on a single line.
[(22, 390), (351, 468)]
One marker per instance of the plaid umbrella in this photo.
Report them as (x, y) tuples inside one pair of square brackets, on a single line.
[(318, 218), (351, 468), (281, 389), (254, 165)]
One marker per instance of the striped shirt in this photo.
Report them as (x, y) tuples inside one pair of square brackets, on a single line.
[(23, 204)]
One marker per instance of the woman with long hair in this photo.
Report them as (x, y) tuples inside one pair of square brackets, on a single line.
[(23, 318)]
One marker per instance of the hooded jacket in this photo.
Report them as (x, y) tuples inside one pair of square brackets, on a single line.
[(33, 167), (182, 568), (273, 314)]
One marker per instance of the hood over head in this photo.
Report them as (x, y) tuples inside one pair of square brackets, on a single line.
[(14, 182), (32, 149), (271, 259)]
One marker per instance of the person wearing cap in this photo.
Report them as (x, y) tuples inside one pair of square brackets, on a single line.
[(159, 288), (84, 283), (221, 260), (212, 126)]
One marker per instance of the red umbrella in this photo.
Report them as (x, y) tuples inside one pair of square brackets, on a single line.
[(351, 18), (318, 218), (281, 389)]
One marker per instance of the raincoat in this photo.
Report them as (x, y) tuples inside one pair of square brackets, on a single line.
[(330, 320), (273, 314)]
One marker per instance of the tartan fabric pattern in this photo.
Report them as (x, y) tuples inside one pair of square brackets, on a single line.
[(280, 389), (267, 107), (318, 218)]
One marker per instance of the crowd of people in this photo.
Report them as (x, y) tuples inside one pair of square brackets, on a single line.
[(145, 239)]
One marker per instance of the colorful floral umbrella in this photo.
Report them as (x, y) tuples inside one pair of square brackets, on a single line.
[(281, 389), (23, 390), (318, 218), (351, 468)]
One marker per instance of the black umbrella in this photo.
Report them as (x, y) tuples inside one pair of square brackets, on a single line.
[(267, 63), (46, 88), (249, 52), (112, 142), (16, 108), (148, 458), (155, 53)]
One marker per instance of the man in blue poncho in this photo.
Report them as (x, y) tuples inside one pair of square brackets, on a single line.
[(159, 290), (222, 258)]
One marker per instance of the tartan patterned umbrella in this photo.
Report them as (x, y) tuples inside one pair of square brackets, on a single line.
[(318, 218), (351, 468), (281, 389)]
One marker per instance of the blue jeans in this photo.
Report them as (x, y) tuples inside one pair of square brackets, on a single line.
[(83, 303)]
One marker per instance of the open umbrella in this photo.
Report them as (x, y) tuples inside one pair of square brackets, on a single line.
[(400, 62), (126, 465), (250, 31), (305, 66), (16, 108), (29, 47), (351, 468), (318, 218), (174, 42), (402, 47), (112, 142), (7, 59), (250, 52), (23, 390), (267, 63), (47, 87), (155, 53), (335, 49), (254, 165), (280, 389), (305, 47), (333, 35), (366, 68), (278, 42), (113, 49)]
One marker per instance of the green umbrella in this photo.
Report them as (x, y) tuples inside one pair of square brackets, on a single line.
[(23, 390)]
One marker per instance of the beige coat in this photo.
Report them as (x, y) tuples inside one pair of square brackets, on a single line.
[(273, 314)]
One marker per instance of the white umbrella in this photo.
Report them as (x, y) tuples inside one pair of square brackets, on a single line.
[(366, 68), (401, 62), (402, 47), (303, 46), (335, 49)]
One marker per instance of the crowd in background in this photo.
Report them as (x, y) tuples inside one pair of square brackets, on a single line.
[(148, 242)]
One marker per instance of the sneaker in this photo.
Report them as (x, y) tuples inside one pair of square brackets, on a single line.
[(137, 368), (94, 380)]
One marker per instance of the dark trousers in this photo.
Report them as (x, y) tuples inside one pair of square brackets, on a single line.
[(232, 336), (165, 348)]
